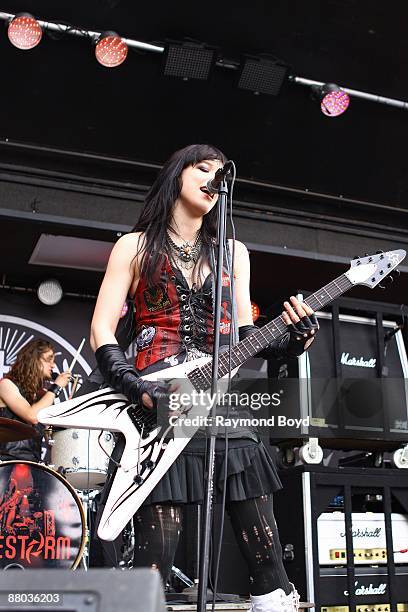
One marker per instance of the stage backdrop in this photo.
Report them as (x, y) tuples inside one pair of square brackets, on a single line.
[(23, 318)]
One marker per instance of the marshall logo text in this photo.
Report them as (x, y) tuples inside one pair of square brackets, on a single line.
[(358, 362), (369, 590), (364, 533)]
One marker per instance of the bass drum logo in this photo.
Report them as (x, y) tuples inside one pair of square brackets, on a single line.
[(16, 332)]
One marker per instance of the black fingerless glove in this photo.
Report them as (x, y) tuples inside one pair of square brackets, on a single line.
[(300, 333), (120, 375), (291, 344)]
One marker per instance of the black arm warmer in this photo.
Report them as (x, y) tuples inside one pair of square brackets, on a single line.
[(120, 375), (276, 349), (285, 346)]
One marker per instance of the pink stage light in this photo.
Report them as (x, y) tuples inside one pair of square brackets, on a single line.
[(111, 50), (124, 310), (334, 103), (24, 32)]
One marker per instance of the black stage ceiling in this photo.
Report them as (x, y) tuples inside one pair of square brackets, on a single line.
[(57, 96)]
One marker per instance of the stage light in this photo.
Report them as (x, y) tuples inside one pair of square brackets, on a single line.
[(49, 292), (333, 100), (24, 31), (255, 311), (111, 50), (261, 75), (188, 60)]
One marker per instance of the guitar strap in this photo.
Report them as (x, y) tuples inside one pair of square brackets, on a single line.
[(229, 270)]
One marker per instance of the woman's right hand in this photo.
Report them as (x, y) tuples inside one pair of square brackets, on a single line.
[(151, 393), (63, 379)]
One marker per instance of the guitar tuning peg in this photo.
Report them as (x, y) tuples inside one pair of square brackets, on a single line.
[(366, 254), (389, 279), (381, 286), (379, 252), (356, 257), (397, 272)]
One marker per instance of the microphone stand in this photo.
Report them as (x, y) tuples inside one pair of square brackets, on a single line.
[(210, 449)]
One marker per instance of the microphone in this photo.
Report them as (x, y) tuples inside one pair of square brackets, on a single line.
[(54, 375), (214, 185)]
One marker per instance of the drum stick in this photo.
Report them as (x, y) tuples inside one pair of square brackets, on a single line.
[(76, 355), (74, 386)]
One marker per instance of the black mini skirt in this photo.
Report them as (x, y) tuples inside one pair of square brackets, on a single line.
[(251, 473)]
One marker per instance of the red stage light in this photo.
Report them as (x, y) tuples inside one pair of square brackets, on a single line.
[(255, 311), (24, 32), (111, 50)]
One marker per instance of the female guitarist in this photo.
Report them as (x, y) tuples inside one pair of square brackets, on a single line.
[(165, 264)]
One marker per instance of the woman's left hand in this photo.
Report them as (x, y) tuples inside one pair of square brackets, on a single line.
[(301, 321)]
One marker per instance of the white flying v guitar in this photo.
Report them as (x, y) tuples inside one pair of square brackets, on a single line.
[(150, 451)]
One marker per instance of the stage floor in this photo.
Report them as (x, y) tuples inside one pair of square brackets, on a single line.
[(230, 607)]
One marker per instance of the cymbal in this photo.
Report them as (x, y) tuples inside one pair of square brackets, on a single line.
[(11, 430)]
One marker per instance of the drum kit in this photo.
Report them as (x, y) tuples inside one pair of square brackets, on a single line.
[(45, 509)]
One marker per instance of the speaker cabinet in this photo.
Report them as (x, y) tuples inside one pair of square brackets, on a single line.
[(351, 384), (97, 590)]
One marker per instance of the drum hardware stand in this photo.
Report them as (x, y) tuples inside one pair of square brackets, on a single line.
[(87, 498), (190, 593), (128, 547), (175, 570), (48, 435)]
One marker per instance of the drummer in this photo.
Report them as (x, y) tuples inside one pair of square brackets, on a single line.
[(22, 396)]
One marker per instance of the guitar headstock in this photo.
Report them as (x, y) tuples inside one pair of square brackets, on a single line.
[(372, 269)]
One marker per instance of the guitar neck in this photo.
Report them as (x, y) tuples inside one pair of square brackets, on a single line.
[(262, 337)]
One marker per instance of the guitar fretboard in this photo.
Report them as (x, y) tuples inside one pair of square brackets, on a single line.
[(260, 339)]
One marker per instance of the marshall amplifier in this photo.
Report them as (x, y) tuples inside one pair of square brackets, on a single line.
[(369, 541), (350, 385), (344, 535), (371, 591)]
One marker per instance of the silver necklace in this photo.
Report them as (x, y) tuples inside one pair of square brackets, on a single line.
[(187, 254)]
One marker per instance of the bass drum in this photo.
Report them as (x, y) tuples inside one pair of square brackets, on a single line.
[(42, 522)]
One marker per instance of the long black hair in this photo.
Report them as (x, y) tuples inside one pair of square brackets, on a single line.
[(157, 210)]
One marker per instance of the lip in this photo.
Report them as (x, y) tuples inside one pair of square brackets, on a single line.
[(205, 191)]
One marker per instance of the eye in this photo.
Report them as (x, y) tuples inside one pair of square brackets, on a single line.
[(203, 168)]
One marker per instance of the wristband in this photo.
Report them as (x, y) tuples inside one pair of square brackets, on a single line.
[(55, 389)]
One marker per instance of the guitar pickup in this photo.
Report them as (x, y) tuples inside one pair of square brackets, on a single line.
[(143, 419)]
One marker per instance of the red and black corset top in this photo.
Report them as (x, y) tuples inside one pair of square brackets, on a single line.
[(171, 317)]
